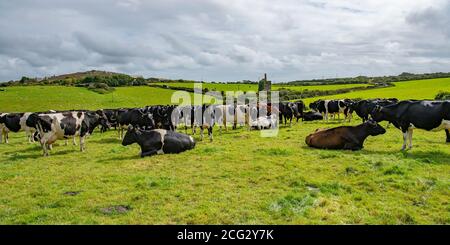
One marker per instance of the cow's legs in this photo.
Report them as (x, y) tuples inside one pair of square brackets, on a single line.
[(148, 153), (410, 133), (447, 132), (82, 147), (74, 142), (210, 133), (405, 138)]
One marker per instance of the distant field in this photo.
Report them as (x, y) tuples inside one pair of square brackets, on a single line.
[(319, 87), (41, 98), (254, 87), (419, 89)]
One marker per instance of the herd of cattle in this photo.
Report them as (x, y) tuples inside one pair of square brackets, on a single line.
[(154, 127)]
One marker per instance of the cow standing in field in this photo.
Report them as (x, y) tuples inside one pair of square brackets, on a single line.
[(56, 126), (344, 137), (135, 117), (112, 120), (16, 122), (331, 108), (158, 141), (408, 115), (364, 107), (287, 112)]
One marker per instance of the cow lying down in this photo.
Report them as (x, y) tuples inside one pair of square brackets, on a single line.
[(158, 141), (344, 137)]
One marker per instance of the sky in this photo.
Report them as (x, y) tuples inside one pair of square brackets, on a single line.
[(230, 40)]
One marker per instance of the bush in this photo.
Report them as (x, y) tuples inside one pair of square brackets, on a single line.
[(443, 96)]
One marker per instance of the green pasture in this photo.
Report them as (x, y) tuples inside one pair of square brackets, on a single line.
[(254, 87), (418, 89), (42, 98), (239, 178)]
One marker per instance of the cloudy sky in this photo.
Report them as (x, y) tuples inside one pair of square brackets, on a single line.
[(230, 40)]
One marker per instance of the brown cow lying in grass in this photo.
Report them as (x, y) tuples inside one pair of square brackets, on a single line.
[(344, 137)]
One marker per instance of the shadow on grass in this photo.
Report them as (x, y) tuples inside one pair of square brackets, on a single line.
[(120, 158), (16, 156), (108, 141), (426, 157)]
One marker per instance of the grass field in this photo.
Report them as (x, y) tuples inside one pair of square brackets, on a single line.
[(419, 89), (42, 98), (254, 87), (319, 87), (240, 178)]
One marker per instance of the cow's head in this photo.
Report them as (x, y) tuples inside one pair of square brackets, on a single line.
[(373, 128), (103, 119), (377, 113), (131, 136)]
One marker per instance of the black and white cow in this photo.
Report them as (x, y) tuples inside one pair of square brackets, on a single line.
[(57, 126), (3, 129), (16, 122), (407, 115), (331, 108), (158, 141), (136, 117)]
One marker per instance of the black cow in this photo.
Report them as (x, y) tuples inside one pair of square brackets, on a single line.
[(364, 107), (287, 111), (344, 137), (312, 116), (135, 117), (407, 115), (298, 107), (162, 116), (158, 141), (111, 117)]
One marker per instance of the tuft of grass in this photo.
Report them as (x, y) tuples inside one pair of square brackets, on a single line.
[(293, 204), (394, 170)]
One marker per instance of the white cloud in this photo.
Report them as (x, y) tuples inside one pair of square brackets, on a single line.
[(224, 40)]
